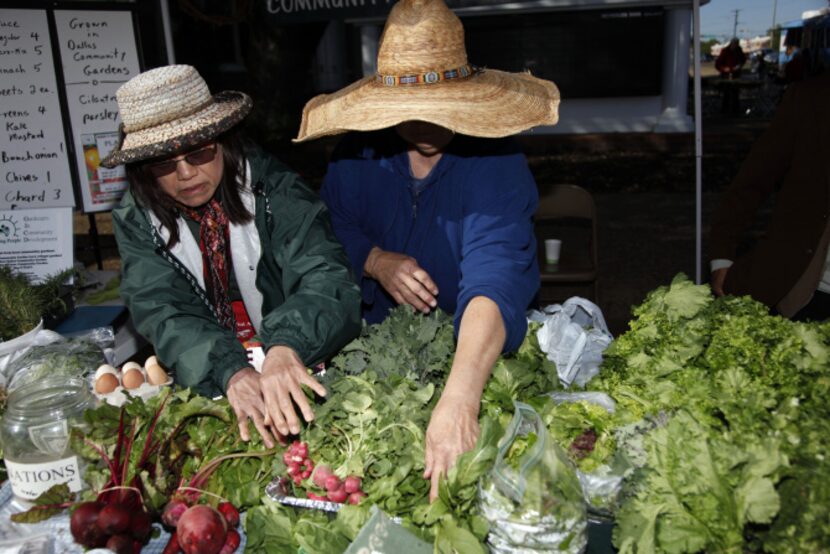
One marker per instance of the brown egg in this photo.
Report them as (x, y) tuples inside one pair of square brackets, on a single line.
[(106, 383), (156, 374), (132, 378)]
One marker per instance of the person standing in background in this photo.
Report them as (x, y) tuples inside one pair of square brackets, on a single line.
[(789, 268), (729, 64)]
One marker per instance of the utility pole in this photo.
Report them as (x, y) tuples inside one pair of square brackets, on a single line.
[(735, 26), (774, 10)]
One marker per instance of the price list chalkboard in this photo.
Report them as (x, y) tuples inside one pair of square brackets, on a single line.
[(34, 165)]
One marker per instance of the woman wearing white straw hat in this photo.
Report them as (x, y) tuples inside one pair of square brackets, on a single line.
[(220, 245), (432, 210)]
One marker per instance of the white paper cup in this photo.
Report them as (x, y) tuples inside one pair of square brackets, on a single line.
[(552, 248)]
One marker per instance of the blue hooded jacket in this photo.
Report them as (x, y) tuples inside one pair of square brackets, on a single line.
[(468, 223)]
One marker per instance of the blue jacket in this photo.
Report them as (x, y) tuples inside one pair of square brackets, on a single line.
[(469, 226)]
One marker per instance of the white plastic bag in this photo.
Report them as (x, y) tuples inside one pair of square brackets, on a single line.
[(574, 336)]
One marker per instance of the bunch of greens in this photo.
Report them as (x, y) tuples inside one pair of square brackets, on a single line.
[(23, 304), (585, 431), (740, 401), (167, 440), (406, 343), (372, 426)]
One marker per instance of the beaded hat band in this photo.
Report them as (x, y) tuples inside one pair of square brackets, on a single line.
[(428, 78)]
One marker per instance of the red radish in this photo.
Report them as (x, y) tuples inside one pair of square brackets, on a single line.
[(287, 457), (323, 497), (83, 527), (123, 544), (293, 469), (338, 495), (333, 483), (356, 497), (173, 511), (113, 519), (302, 450), (230, 513), (231, 542), (320, 475), (140, 525), (172, 545), (306, 474), (352, 484), (202, 530)]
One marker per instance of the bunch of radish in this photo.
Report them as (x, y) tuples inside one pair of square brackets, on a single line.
[(300, 467), (119, 527), (199, 528)]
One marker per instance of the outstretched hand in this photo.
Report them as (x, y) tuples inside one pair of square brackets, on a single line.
[(453, 429), (283, 375), (245, 398), (402, 277)]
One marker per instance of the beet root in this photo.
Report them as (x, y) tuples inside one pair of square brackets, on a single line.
[(113, 519), (140, 526), (202, 530), (123, 544), (83, 526), (230, 513), (231, 542), (172, 512)]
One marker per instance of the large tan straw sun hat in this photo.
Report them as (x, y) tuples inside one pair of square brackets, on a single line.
[(169, 109), (423, 74)]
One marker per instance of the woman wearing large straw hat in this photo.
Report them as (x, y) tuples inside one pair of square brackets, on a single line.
[(433, 210), (221, 244)]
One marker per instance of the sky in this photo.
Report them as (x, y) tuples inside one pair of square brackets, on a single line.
[(717, 18)]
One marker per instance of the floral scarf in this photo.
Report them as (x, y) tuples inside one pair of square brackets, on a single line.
[(214, 242)]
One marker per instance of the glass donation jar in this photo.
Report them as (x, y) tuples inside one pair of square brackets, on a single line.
[(35, 435)]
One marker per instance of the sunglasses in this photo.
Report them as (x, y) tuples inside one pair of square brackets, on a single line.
[(196, 157)]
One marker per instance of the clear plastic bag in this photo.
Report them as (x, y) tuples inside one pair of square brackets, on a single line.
[(602, 486), (532, 498), (52, 354), (573, 335)]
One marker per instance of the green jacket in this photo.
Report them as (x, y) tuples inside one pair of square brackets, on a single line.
[(293, 275)]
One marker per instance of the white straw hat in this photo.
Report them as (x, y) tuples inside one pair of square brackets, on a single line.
[(423, 74), (168, 109)]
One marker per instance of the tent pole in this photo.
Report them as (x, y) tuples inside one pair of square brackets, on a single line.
[(698, 148)]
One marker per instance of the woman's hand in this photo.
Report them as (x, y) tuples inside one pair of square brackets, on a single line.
[(453, 429), (402, 277), (283, 374), (245, 397)]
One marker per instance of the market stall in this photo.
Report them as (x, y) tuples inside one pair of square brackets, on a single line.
[(701, 429)]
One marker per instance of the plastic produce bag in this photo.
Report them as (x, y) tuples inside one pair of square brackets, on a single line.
[(381, 534), (52, 354), (12, 349), (601, 487), (532, 498), (574, 336)]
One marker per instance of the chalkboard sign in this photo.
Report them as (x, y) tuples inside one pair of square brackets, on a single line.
[(98, 54), (33, 155)]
